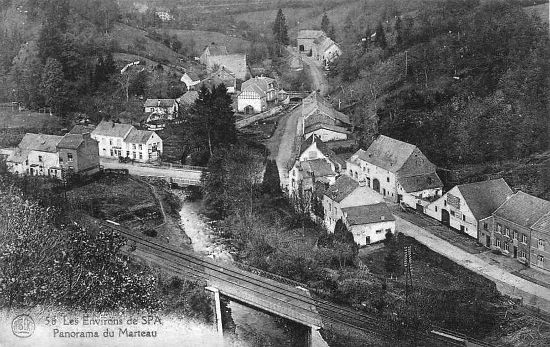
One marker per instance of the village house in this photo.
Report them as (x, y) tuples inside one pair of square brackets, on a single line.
[(216, 57), (191, 80), (397, 170), (50, 155), (347, 198), (306, 38), (255, 94), (221, 76), (466, 207), (188, 99), (305, 174), (212, 50), (325, 50), (321, 119), (520, 229), (313, 148), (123, 140), (369, 223), (168, 108)]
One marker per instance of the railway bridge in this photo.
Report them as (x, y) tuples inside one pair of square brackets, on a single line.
[(182, 175), (276, 295)]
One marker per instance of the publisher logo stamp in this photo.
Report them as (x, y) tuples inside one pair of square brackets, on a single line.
[(22, 325)]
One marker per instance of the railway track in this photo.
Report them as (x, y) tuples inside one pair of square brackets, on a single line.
[(198, 267)]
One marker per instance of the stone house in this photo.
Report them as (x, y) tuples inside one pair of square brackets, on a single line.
[(306, 38), (466, 207), (397, 170), (520, 228), (325, 50), (346, 192), (369, 223), (49, 155)]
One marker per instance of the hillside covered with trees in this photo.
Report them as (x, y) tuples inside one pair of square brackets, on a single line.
[(465, 80)]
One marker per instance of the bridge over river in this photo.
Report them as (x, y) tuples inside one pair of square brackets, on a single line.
[(183, 175), (267, 292)]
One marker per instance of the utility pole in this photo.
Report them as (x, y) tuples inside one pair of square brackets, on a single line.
[(408, 275), (406, 62)]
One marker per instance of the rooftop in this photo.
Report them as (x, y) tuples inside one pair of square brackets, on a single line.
[(215, 49), (317, 126), (111, 129), (310, 34), (523, 209), (71, 141), (368, 214), (343, 187), (421, 182), (189, 97), (40, 142), (138, 136), (483, 198), (317, 168), (159, 102)]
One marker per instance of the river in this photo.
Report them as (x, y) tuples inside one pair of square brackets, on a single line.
[(252, 327)]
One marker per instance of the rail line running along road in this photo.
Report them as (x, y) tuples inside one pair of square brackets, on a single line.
[(201, 268)]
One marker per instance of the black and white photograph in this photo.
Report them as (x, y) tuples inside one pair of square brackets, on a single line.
[(284, 173)]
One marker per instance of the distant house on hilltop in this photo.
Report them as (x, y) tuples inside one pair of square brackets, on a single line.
[(216, 56)]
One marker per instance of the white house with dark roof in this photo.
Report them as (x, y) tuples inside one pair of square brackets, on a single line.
[(123, 140), (164, 107), (190, 79), (314, 148), (346, 192), (327, 132), (466, 207), (369, 223), (48, 155), (397, 170), (325, 50), (255, 94)]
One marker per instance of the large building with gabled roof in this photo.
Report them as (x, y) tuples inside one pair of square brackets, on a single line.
[(398, 170), (467, 207)]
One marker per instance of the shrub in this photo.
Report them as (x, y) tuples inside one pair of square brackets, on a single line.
[(150, 232)]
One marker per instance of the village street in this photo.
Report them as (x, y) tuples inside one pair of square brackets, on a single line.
[(283, 142), (507, 283)]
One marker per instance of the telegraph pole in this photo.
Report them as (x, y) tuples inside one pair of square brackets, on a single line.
[(407, 259)]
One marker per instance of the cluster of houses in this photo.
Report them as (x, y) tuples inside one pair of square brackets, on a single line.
[(317, 44), (78, 151), (357, 189)]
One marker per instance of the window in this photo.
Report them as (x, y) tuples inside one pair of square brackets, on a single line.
[(69, 157), (127, 153), (388, 231), (522, 254), (40, 158), (506, 246), (436, 209), (60, 159), (541, 244), (387, 179), (497, 243), (379, 231), (111, 152), (464, 217), (452, 213), (444, 202), (133, 146), (524, 238), (515, 234), (134, 155), (140, 147), (499, 228), (485, 226), (506, 232), (140, 155), (110, 142), (540, 259)]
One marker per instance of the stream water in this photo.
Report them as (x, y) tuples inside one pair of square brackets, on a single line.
[(252, 327)]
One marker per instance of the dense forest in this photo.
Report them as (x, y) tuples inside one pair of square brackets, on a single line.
[(467, 81)]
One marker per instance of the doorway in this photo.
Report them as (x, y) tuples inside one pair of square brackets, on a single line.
[(445, 217), (376, 185), (515, 251), (488, 244)]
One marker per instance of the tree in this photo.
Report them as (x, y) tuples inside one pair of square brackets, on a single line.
[(25, 76), (392, 261), (272, 182), (53, 86), (280, 30), (380, 37), (325, 23), (342, 233)]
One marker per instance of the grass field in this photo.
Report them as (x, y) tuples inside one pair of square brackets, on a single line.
[(203, 38), (34, 120), (540, 10), (128, 36)]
